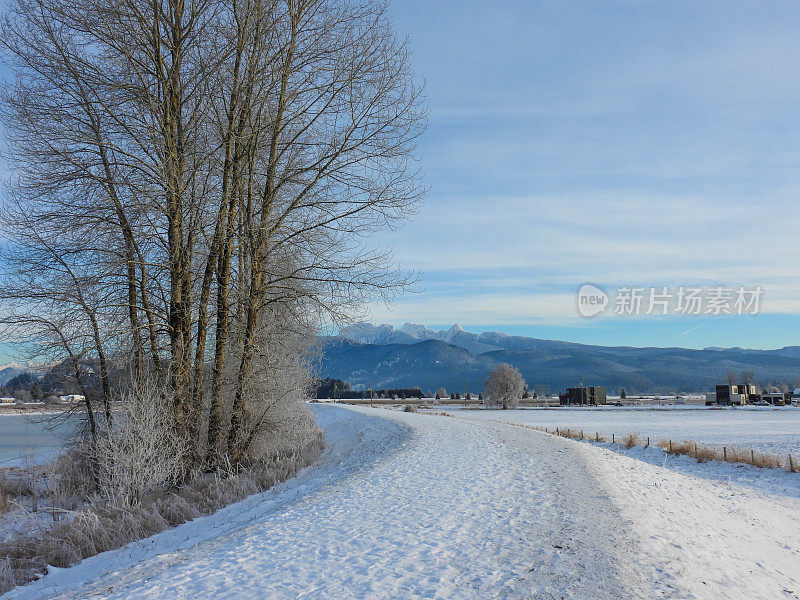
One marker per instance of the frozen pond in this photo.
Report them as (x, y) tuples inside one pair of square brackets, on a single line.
[(26, 438), (767, 430)]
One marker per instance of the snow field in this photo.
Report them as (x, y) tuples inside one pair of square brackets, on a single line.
[(771, 430), (718, 539), (409, 505)]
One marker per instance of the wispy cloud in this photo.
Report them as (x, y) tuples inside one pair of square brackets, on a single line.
[(622, 143)]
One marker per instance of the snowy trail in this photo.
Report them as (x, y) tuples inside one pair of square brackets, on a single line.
[(401, 506)]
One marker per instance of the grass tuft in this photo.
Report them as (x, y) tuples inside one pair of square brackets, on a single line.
[(629, 440)]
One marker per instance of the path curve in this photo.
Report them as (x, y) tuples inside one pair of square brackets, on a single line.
[(401, 506)]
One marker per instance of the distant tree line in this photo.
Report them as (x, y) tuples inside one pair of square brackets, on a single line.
[(60, 380), (336, 388)]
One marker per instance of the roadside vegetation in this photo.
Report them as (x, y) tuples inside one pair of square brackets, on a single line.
[(700, 452)]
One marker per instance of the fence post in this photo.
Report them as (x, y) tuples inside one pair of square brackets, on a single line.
[(791, 465), (557, 431), (596, 436), (670, 445), (724, 453), (753, 456), (648, 442), (581, 433)]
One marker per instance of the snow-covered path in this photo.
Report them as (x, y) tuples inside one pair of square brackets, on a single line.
[(402, 506), (424, 506)]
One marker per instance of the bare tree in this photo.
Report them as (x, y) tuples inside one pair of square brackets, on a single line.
[(196, 179), (504, 387)]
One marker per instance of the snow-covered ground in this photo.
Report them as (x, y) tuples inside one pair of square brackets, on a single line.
[(774, 430), (421, 506)]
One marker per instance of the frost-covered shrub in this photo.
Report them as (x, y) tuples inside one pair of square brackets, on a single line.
[(133, 483), (105, 525), (272, 416), (71, 477), (141, 451), (275, 417)]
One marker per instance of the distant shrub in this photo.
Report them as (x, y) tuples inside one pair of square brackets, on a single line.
[(410, 408), (504, 387)]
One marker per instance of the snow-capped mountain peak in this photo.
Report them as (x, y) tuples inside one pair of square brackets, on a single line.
[(366, 333), (418, 331)]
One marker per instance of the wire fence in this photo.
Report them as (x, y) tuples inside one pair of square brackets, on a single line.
[(699, 451)]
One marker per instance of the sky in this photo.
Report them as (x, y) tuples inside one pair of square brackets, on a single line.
[(638, 144), (622, 144)]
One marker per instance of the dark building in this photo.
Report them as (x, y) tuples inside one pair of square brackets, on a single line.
[(735, 394), (584, 396)]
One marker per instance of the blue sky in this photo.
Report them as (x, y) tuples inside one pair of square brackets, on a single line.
[(617, 143)]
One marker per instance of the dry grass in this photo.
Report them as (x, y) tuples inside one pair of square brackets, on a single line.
[(7, 577), (700, 452), (103, 525), (703, 453), (572, 434), (629, 440), (5, 506), (16, 486)]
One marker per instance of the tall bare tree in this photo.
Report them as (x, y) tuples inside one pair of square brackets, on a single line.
[(198, 179)]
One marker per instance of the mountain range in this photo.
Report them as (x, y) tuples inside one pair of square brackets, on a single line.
[(382, 356)]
